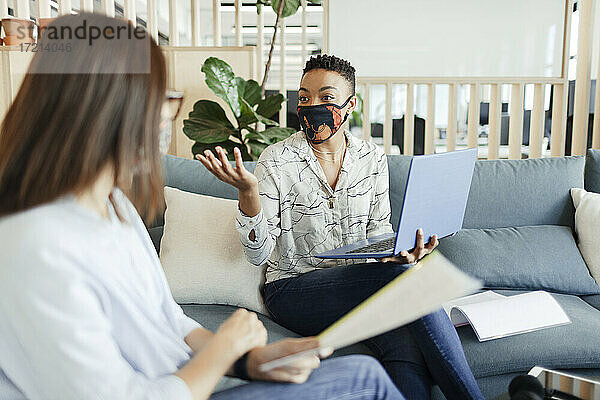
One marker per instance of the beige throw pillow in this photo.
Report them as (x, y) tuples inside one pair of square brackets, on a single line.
[(202, 256), (587, 226)]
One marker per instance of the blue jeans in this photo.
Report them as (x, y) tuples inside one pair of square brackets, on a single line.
[(343, 378), (416, 356)]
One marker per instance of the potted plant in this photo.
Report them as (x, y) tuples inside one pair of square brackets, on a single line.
[(208, 125), (17, 31)]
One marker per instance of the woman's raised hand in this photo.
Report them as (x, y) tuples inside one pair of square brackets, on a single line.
[(243, 331), (219, 166)]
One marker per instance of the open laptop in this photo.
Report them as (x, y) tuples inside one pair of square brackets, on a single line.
[(435, 200)]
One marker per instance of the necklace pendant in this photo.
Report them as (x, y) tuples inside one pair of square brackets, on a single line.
[(330, 203)]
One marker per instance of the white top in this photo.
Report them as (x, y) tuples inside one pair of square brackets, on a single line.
[(86, 312), (302, 215)]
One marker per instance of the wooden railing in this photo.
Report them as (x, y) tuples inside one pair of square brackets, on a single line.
[(517, 85), (516, 111)]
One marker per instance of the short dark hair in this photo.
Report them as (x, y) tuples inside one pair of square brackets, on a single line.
[(335, 64)]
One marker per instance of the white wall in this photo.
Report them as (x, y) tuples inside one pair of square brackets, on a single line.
[(513, 38)]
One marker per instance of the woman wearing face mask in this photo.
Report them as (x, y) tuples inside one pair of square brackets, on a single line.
[(321, 189), (86, 311)]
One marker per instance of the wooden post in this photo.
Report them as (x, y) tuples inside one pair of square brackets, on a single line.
[(129, 11), (43, 9), (473, 123), (557, 130), (282, 83), (87, 5), (260, 41), (515, 129), (303, 39), (325, 24), (387, 126), (217, 22), (238, 22), (495, 119), (582, 80), (3, 8), (108, 7), (22, 9), (430, 121), (366, 118), (536, 132), (451, 129), (196, 34), (596, 129), (409, 121), (64, 7), (173, 31)]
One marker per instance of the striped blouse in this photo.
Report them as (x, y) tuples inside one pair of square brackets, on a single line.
[(302, 215)]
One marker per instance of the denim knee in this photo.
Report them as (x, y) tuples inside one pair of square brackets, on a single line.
[(373, 376)]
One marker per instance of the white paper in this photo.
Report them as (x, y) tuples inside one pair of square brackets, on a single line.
[(459, 319), (512, 315)]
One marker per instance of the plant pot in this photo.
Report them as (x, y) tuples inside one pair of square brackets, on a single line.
[(44, 22), (16, 40), (42, 25), (18, 27)]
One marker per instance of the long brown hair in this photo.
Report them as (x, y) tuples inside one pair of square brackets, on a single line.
[(63, 129)]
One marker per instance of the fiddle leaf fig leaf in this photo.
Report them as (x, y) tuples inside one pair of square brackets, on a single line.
[(250, 116), (207, 123), (228, 146), (289, 7), (252, 92), (221, 80), (270, 105)]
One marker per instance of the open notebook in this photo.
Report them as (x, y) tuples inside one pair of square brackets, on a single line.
[(415, 293), (494, 316)]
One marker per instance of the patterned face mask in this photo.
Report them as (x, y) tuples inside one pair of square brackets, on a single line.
[(320, 122)]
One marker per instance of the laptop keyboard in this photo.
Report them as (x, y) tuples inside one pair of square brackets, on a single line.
[(378, 247)]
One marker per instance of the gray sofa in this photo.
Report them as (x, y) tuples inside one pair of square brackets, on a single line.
[(517, 236)]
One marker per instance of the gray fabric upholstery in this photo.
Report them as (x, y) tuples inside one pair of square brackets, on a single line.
[(593, 300), (156, 235), (523, 192), (503, 194), (592, 171), (494, 363), (576, 345), (212, 316), (528, 257)]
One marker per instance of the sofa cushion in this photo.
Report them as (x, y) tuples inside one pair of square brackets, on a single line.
[(572, 346), (592, 171), (528, 257), (593, 300), (576, 345), (191, 176), (202, 256), (523, 192), (587, 226), (211, 316)]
